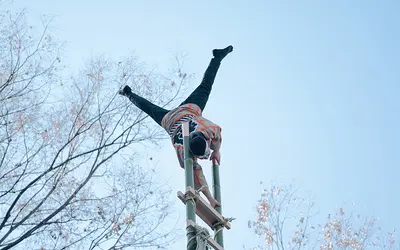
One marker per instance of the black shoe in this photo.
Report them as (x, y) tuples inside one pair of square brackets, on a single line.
[(125, 90), (221, 53)]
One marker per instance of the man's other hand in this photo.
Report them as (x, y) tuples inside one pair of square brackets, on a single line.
[(216, 157)]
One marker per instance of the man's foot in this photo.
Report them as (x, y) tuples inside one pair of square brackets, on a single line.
[(125, 90), (214, 203), (221, 53)]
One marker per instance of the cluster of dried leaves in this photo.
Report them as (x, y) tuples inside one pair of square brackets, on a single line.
[(284, 222)]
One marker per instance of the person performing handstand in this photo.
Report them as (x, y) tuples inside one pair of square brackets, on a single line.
[(204, 135)]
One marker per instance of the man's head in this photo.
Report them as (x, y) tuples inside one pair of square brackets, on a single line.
[(198, 145)]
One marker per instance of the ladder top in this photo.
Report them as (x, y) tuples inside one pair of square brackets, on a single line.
[(204, 210)]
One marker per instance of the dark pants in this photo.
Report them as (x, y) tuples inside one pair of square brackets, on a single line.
[(199, 96)]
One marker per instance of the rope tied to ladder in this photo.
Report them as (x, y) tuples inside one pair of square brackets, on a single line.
[(201, 236), (221, 225), (191, 197)]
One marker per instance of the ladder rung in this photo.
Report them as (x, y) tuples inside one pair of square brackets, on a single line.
[(204, 210), (210, 240)]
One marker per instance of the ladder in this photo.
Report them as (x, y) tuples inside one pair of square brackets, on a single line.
[(195, 204)]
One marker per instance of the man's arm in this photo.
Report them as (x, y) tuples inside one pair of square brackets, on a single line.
[(201, 182), (216, 142), (180, 154)]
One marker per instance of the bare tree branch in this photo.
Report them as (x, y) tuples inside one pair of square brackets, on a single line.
[(63, 146)]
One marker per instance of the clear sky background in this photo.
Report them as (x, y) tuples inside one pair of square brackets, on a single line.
[(310, 93)]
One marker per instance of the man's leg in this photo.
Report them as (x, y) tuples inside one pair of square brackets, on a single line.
[(200, 95), (154, 111)]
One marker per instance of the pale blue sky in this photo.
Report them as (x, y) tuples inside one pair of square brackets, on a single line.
[(310, 93)]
